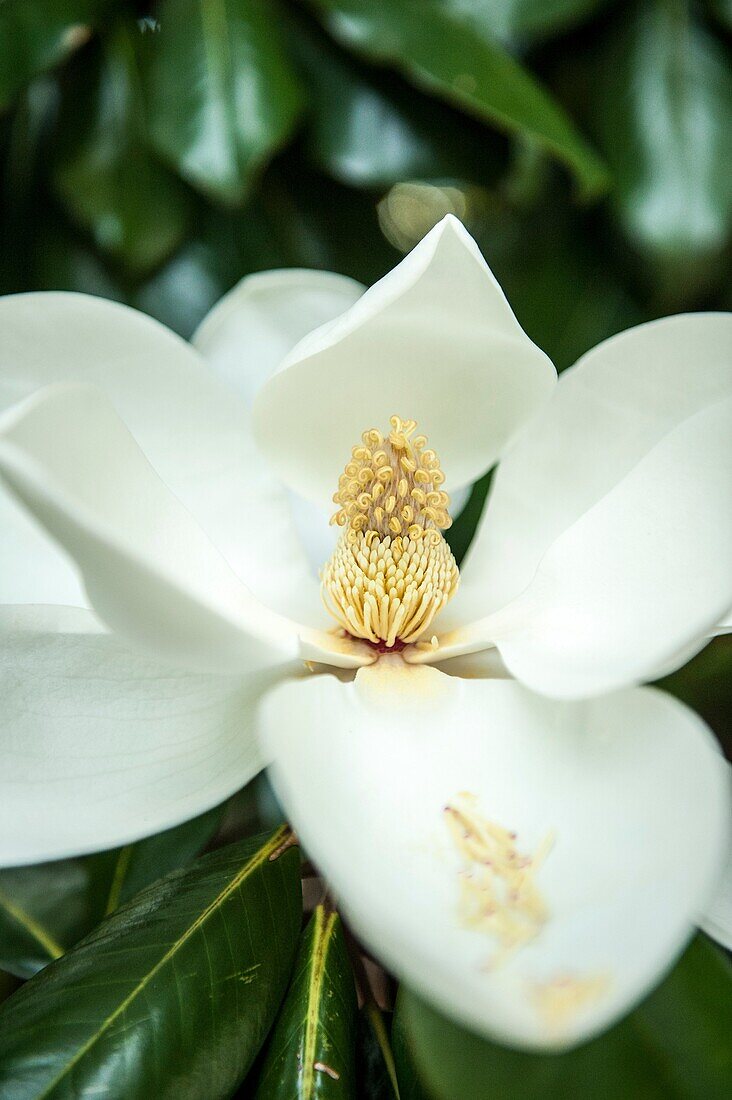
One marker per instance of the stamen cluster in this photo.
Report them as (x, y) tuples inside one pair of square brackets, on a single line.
[(392, 570), (388, 589), (392, 485)]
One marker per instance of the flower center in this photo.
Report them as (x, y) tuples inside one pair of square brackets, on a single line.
[(392, 570)]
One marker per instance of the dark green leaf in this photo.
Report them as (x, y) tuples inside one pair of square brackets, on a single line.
[(522, 20), (705, 684), (311, 1052), (676, 1046), (369, 129), (222, 96), (663, 114), (63, 261), (134, 208), (47, 908), (34, 36), (443, 53), (8, 984), (172, 995), (375, 1067), (563, 288), (722, 9), (323, 225), (135, 866)]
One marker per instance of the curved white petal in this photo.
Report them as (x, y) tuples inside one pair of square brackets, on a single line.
[(101, 745), (606, 414), (634, 587), (190, 424), (249, 333), (253, 328), (629, 785), (725, 626), (435, 341), (717, 919), (150, 572)]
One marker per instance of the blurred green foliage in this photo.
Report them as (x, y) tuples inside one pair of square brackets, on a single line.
[(158, 152)]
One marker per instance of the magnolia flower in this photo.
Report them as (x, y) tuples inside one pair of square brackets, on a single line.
[(509, 821)]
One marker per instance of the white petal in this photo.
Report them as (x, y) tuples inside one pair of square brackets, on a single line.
[(630, 785), (435, 341), (717, 919), (725, 626), (100, 745), (192, 427), (249, 333), (149, 570), (633, 588), (606, 414)]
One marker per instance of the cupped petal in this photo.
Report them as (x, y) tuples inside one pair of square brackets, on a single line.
[(607, 412), (249, 333), (632, 589), (149, 570), (620, 804), (102, 745), (192, 426), (435, 340)]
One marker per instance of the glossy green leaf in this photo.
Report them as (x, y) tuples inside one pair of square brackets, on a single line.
[(663, 110), (47, 908), (135, 866), (676, 1046), (8, 984), (311, 1052), (172, 995), (222, 96), (523, 20), (440, 51), (369, 129), (135, 209), (36, 36)]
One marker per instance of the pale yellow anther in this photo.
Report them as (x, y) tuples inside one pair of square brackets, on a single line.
[(392, 570), (499, 895)]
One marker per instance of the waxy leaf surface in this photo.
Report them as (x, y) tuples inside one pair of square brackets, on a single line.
[(311, 1053), (172, 995)]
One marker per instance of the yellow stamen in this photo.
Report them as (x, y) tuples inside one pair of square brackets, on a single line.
[(392, 570)]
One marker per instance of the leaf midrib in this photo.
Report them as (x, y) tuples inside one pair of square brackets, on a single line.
[(33, 927), (323, 935), (257, 859)]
